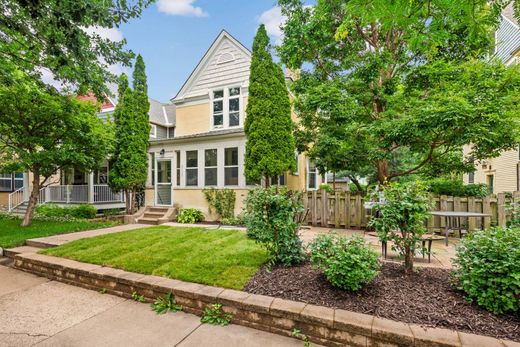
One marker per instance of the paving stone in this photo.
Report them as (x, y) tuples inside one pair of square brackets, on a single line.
[(392, 331), (471, 340), (318, 314), (432, 337), (208, 293), (357, 323), (233, 297), (287, 308), (258, 303)]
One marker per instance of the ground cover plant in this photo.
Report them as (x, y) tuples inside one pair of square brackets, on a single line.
[(84, 211), (488, 268), (225, 258), (165, 304), (190, 216), (215, 315), (348, 263), (13, 235)]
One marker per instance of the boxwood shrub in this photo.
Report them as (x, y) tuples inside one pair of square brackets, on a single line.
[(487, 268), (348, 263)]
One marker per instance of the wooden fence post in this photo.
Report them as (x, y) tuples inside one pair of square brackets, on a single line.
[(324, 208), (486, 209), (501, 209), (336, 209), (314, 208), (346, 212)]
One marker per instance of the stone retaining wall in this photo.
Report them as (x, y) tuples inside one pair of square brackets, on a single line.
[(326, 326)]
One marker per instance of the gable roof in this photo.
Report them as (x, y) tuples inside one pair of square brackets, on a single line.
[(217, 43), (507, 39), (161, 114)]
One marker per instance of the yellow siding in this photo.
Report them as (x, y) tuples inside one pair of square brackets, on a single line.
[(4, 199), (503, 168), (192, 119), (194, 198), (298, 182)]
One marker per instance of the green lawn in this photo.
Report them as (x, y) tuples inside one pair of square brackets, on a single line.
[(13, 235), (224, 258)]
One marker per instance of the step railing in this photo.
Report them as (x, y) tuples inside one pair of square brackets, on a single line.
[(103, 193), (16, 198)]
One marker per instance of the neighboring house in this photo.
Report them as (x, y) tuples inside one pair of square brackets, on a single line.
[(502, 174), (74, 186), (208, 146)]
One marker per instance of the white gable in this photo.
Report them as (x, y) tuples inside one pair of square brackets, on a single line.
[(226, 63)]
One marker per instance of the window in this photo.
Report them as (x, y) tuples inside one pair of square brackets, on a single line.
[(178, 168), (226, 107), (18, 180), (164, 171), (101, 175), (192, 171), (210, 167), (152, 158), (312, 175), (471, 177), (281, 180), (231, 166), (490, 183), (153, 131), (234, 107), (218, 108), (6, 181), (297, 165)]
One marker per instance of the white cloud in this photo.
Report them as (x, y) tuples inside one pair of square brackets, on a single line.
[(113, 34), (273, 19), (181, 8)]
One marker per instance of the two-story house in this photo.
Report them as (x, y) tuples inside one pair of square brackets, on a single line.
[(502, 174), (208, 146)]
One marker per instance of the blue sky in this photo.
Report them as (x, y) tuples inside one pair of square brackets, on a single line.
[(173, 35)]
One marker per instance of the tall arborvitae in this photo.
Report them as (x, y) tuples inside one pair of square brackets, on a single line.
[(129, 167), (269, 129)]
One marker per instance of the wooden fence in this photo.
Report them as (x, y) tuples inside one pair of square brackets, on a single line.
[(343, 210)]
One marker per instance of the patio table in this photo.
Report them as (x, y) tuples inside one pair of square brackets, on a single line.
[(426, 238), (451, 216)]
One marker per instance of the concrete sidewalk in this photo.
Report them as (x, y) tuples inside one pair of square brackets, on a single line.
[(37, 312)]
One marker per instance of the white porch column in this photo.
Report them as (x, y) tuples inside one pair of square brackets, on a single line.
[(91, 188), (26, 186)]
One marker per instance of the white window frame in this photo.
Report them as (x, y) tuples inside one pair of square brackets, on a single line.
[(186, 168), (307, 179), (153, 132), (297, 158), (210, 167), (232, 166), (225, 107)]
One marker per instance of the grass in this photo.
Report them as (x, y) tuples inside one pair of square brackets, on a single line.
[(224, 258), (13, 235)]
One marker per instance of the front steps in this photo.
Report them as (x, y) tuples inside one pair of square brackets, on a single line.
[(155, 215)]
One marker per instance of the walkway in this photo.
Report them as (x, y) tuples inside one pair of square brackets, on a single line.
[(37, 312)]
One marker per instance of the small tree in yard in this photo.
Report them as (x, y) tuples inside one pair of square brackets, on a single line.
[(43, 132), (270, 143), (401, 220), (129, 167)]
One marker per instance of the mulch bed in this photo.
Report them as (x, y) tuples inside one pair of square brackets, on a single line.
[(425, 298)]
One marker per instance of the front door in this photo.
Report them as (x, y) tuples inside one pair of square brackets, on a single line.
[(163, 183)]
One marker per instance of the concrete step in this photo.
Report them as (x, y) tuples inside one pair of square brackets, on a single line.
[(153, 215), (5, 261), (37, 243), (149, 221), (11, 252), (162, 210)]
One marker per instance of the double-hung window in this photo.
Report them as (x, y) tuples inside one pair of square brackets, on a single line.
[(6, 181), (312, 175), (226, 107), (178, 168), (18, 180), (231, 166), (210, 167), (192, 171)]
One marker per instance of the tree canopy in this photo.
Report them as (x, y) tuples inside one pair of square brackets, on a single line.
[(270, 143), (44, 132), (63, 38), (399, 87)]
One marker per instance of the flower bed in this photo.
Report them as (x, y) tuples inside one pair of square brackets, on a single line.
[(424, 298)]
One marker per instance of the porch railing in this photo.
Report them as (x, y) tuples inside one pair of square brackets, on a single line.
[(68, 194), (16, 198), (103, 193)]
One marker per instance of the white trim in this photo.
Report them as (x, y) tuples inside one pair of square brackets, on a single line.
[(225, 107), (153, 133), (510, 21), (307, 173)]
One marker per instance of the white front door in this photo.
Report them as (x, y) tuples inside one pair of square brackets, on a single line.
[(163, 183)]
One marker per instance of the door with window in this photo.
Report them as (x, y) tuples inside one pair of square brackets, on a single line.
[(163, 183)]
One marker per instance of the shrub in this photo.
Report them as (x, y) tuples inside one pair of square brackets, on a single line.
[(190, 216), (402, 217), (348, 263), (326, 187), (487, 268), (222, 201), (270, 220), (83, 211), (237, 220), (454, 187)]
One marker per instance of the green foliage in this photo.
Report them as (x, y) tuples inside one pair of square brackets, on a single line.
[(190, 216), (138, 297), (488, 269), (348, 263), (103, 291), (237, 220), (166, 303), (270, 220), (216, 316), (455, 187), (298, 334), (61, 37), (326, 187), (129, 165), (268, 126), (83, 211), (512, 207), (398, 88), (44, 132), (402, 218), (222, 201)]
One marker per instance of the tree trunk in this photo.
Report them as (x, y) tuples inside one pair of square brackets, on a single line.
[(267, 182), (134, 199), (128, 202), (33, 199), (357, 184), (408, 260), (382, 172)]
